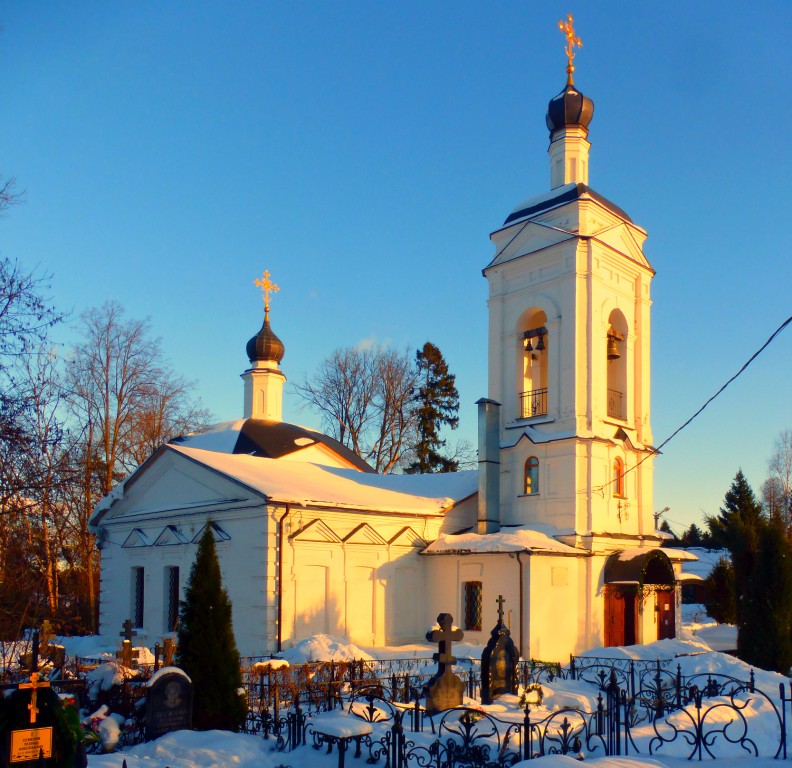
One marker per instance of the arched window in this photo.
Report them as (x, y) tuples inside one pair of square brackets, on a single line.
[(616, 361), (531, 484), (618, 477), (533, 356)]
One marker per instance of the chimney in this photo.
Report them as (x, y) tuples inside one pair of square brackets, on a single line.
[(488, 466)]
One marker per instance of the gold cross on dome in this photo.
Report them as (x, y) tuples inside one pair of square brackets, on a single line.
[(568, 28), (267, 287)]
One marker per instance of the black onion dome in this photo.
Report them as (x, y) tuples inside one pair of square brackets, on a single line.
[(265, 345), (570, 107)]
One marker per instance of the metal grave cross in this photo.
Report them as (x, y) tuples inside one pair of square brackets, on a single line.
[(34, 685), (500, 601), (127, 655), (444, 637), (128, 633)]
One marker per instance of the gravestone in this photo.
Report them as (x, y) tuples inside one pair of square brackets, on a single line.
[(35, 729), (128, 656), (445, 689), (499, 661), (168, 703)]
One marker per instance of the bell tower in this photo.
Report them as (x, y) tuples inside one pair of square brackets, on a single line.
[(569, 335)]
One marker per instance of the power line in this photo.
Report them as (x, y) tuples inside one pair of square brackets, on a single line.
[(655, 451)]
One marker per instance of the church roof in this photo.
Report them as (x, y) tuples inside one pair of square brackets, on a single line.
[(521, 539), (307, 484), (560, 196), (266, 439)]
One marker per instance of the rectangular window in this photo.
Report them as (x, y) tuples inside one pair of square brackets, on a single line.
[(171, 597), (137, 596), (472, 604)]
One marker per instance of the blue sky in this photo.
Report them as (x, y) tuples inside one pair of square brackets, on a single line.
[(363, 152)]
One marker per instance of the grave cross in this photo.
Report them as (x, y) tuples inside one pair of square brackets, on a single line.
[(168, 651), (128, 633), (500, 601), (444, 637), (46, 634), (34, 685)]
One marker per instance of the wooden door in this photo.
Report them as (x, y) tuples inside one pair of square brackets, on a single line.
[(620, 616), (666, 623)]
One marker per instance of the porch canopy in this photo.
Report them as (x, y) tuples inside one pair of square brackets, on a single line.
[(639, 566)]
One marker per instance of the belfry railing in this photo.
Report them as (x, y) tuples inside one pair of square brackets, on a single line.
[(533, 403)]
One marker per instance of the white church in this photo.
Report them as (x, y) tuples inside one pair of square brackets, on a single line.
[(558, 518)]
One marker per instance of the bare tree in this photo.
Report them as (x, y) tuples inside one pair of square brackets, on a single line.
[(125, 401), (780, 466), (364, 398)]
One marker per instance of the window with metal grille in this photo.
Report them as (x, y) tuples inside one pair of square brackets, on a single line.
[(171, 598), (137, 596), (472, 606)]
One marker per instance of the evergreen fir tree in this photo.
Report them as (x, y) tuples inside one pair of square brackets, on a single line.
[(207, 649), (720, 597), (438, 401), (767, 642), (737, 528)]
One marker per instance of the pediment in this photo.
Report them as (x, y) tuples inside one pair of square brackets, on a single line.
[(622, 239), (530, 237), (137, 538), (218, 533), (169, 536), (407, 537), (363, 534), (316, 530), (170, 482)]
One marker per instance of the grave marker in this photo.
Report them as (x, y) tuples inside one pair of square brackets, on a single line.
[(445, 689), (499, 661), (128, 656), (168, 703)]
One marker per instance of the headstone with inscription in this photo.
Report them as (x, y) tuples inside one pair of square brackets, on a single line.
[(35, 729), (499, 661), (168, 702), (445, 689)]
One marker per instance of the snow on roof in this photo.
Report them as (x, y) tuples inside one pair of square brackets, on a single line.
[(220, 437), (521, 539), (706, 560), (310, 484)]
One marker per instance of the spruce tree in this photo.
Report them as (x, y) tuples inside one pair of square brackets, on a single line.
[(207, 650), (767, 642), (438, 404), (720, 598)]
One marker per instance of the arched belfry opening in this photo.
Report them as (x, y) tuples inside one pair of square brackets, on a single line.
[(533, 354), (616, 361)]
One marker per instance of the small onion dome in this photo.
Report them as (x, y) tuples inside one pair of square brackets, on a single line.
[(265, 345), (570, 107)]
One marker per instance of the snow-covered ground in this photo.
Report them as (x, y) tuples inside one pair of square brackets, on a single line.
[(695, 650)]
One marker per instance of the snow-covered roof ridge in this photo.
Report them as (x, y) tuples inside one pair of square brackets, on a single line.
[(309, 484), (522, 539)]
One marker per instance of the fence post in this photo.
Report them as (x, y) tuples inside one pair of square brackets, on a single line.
[(396, 757), (572, 670), (527, 745), (783, 717), (394, 687), (751, 681), (679, 686), (632, 676)]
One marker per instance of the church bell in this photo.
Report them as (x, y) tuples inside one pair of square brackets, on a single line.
[(613, 349)]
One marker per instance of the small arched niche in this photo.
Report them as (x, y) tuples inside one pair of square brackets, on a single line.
[(533, 353), (616, 361)]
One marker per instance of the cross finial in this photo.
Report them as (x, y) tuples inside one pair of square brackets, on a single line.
[(500, 601), (568, 28), (267, 287)]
